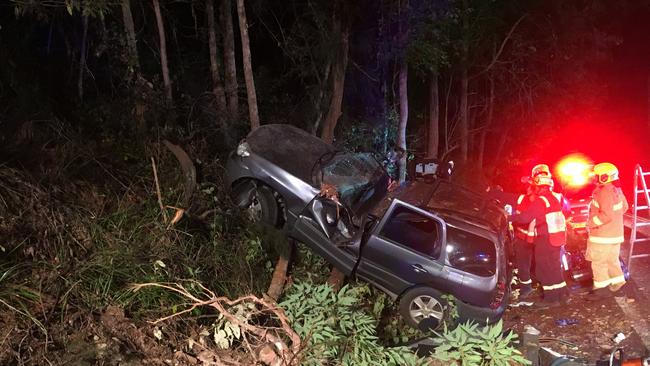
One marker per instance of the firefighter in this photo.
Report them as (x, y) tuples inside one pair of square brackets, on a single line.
[(523, 244), (550, 235), (525, 233), (605, 228)]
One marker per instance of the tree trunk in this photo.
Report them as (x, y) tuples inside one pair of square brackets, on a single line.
[(464, 85), (322, 85), (82, 60), (229, 59), (434, 116), (501, 144), (486, 127), (403, 117), (338, 82), (217, 86), (248, 68), (163, 53), (131, 41)]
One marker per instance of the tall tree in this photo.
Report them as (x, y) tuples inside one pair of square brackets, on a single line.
[(131, 40), (217, 85), (341, 29), (434, 116), (403, 117), (229, 59), (82, 59), (163, 53), (463, 120), (248, 68)]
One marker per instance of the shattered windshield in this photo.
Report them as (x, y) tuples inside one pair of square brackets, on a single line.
[(357, 176)]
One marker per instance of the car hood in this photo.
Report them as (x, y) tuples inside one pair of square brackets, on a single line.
[(290, 148)]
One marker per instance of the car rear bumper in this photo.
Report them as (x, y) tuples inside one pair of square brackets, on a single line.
[(467, 312), (478, 314)]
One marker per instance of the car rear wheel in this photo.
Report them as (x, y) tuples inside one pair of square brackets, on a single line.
[(264, 207), (423, 308)]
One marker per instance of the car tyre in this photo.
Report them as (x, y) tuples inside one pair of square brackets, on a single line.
[(264, 207), (423, 308)]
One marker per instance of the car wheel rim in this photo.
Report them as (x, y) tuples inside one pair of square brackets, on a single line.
[(255, 210), (423, 307)]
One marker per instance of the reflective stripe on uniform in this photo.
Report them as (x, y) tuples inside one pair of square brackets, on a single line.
[(556, 222), (606, 240), (618, 206), (601, 284), (526, 282), (554, 287), (617, 280), (546, 202), (520, 199), (596, 221)]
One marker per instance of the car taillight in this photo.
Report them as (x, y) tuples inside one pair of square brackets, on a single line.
[(499, 295)]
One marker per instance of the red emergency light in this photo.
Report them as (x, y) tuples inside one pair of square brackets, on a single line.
[(574, 170)]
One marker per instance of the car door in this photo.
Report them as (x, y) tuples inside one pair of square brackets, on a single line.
[(318, 228), (404, 250)]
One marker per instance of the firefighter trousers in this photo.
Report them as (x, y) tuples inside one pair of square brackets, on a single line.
[(605, 265), (548, 269), (524, 260)]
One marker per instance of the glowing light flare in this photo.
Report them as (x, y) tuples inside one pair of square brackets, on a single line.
[(574, 170)]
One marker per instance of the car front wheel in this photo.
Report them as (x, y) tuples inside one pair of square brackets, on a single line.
[(263, 207), (423, 308)]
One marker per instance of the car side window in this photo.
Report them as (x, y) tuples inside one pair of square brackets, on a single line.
[(471, 253), (413, 230)]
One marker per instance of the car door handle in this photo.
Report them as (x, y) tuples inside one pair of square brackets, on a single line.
[(418, 268)]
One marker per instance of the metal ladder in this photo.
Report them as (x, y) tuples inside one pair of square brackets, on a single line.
[(640, 188)]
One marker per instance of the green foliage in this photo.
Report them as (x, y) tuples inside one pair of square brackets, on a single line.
[(452, 308), (338, 329), (471, 344)]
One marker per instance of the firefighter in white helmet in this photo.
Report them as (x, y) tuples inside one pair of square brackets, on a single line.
[(525, 233), (605, 227), (550, 235)]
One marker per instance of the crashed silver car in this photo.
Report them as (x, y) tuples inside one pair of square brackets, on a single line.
[(417, 243)]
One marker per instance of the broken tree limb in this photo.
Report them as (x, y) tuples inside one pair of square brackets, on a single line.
[(283, 338), (155, 178), (279, 277), (189, 171)]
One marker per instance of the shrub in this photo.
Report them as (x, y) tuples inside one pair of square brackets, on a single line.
[(471, 344), (337, 329)]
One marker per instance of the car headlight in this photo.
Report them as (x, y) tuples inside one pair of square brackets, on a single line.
[(243, 149)]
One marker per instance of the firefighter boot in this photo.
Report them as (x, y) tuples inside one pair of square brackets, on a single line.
[(598, 294)]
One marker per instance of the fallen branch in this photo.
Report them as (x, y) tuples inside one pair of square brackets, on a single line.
[(287, 355), (160, 202), (189, 171)]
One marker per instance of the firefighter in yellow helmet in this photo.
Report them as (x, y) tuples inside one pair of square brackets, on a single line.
[(605, 227)]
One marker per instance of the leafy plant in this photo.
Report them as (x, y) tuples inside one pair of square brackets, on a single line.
[(471, 344), (337, 329)]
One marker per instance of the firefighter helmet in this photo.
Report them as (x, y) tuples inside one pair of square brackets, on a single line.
[(540, 169), (543, 180), (605, 173)]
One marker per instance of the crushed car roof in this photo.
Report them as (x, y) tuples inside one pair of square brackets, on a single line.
[(449, 200)]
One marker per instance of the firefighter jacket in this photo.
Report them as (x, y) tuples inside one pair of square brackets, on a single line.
[(546, 211), (605, 223), (524, 232)]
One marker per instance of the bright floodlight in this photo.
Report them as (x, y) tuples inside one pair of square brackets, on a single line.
[(574, 170)]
